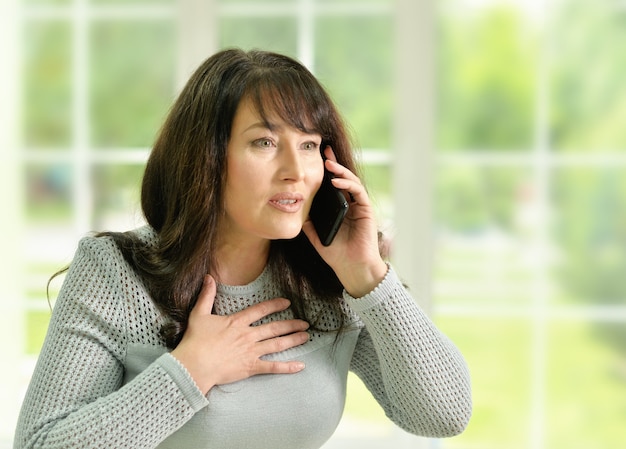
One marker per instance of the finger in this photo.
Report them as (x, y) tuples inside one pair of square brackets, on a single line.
[(272, 367), (329, 154), (278, 328), (261, 310), (355, 191), (204, 305), (279, 344), (340, 171)]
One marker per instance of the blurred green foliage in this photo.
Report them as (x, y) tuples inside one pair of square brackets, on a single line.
[(492, 379), (357, 69), (132, 81), (48, 193), (487, 79), (489, 65), (47, 65), (277, 33), (123, 200), (472, 199), (587, 49)]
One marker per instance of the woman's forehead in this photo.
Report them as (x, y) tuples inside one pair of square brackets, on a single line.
[(249, 118), (273, 106)]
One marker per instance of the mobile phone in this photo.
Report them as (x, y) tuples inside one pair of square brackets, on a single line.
[(328, 210)]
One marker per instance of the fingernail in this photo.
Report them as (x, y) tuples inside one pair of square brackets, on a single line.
[(300, 366)]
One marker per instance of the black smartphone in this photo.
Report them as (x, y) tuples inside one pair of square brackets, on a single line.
[(328, 210)]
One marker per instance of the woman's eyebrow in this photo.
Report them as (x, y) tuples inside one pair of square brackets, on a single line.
[(276, 127), (265, 125)]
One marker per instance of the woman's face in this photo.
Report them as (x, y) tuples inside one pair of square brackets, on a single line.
[(273, 172)]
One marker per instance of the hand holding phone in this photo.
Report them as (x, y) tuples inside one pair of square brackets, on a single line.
[(328, 210)]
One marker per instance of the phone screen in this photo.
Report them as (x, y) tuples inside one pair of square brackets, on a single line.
[(328, 210)]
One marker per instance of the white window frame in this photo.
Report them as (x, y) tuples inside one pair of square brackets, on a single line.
[(11, 312)]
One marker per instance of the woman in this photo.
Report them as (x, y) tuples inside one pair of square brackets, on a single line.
[(224, 322)]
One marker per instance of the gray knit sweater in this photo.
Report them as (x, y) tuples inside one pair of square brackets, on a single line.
[(104, 378)]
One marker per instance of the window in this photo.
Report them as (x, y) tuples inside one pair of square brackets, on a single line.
[(93, 81), (528, 213)]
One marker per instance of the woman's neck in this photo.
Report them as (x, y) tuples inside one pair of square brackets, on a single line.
[(240, 264)]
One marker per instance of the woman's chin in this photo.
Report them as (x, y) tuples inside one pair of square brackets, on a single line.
[(288, 234)]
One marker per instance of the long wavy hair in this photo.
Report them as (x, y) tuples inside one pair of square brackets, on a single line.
[(183, 185)]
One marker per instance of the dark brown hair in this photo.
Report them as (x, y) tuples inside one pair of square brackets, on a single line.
[(182, 190)]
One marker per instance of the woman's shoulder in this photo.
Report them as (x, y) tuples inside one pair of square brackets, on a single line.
[(107, 246), (101, 268), (143, 235)]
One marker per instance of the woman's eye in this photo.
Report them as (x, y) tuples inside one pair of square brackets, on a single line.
[(264, 143), (311, 146)]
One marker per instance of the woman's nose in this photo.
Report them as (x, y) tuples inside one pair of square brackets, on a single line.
[(292, 166)]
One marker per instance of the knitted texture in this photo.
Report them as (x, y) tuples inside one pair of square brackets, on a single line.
[(105, 379), (432, 397)]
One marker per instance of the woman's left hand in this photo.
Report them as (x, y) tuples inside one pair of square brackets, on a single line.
[(354, 254)]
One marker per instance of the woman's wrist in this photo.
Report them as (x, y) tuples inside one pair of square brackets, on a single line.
[(204, 385), (360, 282)]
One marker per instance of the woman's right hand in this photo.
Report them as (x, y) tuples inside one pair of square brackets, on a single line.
[(223, 349)]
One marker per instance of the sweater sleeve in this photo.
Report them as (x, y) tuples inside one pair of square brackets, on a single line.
[(75, 398), (415, 373)]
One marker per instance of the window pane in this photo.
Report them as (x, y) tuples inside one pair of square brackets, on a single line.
[(487, 64), (48, 194), (357, 70), (485, 218), (50, 241), (588, 94), (378, 181), (498, 357), (590, 229), (117, 190), (132, 67), (47, 84), (363, 417), (36, 322), (586, 386), (277, 34)]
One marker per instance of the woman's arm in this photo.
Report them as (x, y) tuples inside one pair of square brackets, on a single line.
[(76, 398), (414, 371)]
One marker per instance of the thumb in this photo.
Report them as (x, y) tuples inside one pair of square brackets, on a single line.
[(204, 305)]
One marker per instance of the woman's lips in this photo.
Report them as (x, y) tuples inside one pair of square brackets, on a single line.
[(287, 202)]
